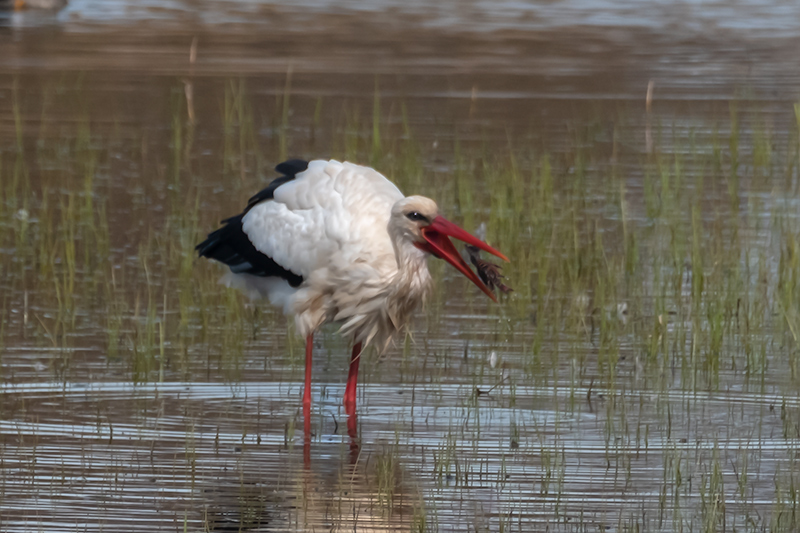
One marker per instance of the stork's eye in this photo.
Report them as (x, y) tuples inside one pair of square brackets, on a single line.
[(416, 217)]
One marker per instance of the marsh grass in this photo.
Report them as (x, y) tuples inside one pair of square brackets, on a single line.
[(635, 296)]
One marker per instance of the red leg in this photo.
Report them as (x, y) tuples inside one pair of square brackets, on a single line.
[(307, 391), (307, 447), (307, 388), (352, 379)]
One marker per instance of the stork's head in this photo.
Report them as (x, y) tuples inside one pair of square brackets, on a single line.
[(416, 219)]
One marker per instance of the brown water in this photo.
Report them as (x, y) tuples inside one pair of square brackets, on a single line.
[(138, 395)]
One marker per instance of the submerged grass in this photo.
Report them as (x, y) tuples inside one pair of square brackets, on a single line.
[(643, 285)]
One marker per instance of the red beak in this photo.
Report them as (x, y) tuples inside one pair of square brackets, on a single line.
[(438, 244)]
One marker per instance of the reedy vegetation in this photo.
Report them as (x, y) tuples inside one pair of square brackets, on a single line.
[(643, 283)]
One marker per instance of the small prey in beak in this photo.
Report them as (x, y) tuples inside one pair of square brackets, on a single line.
[(437, 243), (487, 271)]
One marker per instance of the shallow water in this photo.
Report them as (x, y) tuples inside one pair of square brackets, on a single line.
[(222, 451), (627, 395)]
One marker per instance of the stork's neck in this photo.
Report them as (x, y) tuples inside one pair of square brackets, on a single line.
[(387, 301), (411, 263), (411, 282)]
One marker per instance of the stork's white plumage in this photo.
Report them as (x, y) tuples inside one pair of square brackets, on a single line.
[(338, 242)]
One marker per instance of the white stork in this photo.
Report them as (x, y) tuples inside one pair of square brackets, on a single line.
[(338, 242)]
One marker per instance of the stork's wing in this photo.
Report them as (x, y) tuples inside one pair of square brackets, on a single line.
[(290, 169), (332, 213), (329, 213), (231, 246)]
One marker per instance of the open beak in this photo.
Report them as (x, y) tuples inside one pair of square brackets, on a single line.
[(437, 243)]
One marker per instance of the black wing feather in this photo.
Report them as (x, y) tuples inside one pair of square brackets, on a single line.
[(289, 169), (231, 246)]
